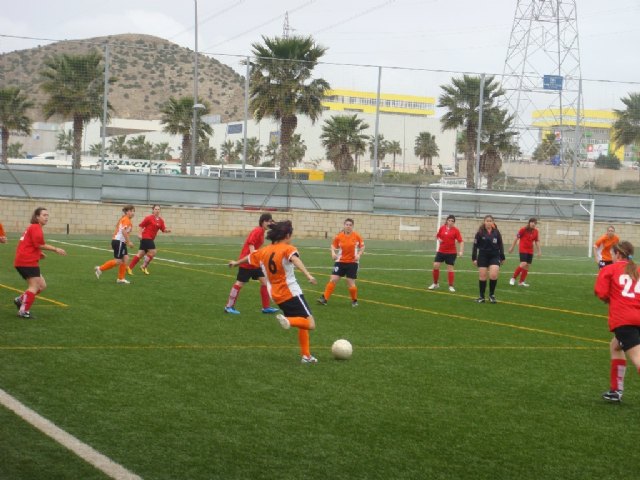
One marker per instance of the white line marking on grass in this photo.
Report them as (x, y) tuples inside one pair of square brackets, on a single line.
[(84, 451)]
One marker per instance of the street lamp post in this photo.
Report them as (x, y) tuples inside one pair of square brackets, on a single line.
[(194, 139)]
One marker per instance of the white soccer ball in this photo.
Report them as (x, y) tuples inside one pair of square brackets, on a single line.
[(341, 349)]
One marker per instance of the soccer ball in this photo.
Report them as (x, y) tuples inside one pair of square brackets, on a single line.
[(341, 349)]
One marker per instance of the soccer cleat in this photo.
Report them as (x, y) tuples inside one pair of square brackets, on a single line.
[(613, 396), (480, 300), (522, 284), (231, 310), (145, 270), (123, 280), (433, 286), (492, 299), (354, 303), (26, 315), (269, 310), (512, 281), (129, 271), (98, 272), (17, 302), (284, 323), (452, 289), (309, 359), (322, 300)]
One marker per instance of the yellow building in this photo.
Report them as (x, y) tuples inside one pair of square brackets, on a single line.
[(596, 126), (354, 101)]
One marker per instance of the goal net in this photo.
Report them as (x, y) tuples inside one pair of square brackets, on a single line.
[(518, 207)]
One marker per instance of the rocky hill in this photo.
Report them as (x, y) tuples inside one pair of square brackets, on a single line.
[(149, 71)]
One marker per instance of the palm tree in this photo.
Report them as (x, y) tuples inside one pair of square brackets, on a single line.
[(177, 118), (75, 85), (342, 136), (462, 99), (281, 86), (626, 128), (65, 141), (271, 152), (13, 117), (297, 149), (118, 146), (254, 151), (497, 142), (394, 148), (382, 148), (95, 149), (546, 149), (162, 151), (138, 147), (229, 152), (426, 148)]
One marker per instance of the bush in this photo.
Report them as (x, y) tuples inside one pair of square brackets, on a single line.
[(608, 161)]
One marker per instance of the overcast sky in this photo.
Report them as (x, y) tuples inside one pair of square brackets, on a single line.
[(450, 35)]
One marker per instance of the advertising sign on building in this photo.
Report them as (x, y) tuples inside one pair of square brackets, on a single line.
[(552, 82), (597, 149)]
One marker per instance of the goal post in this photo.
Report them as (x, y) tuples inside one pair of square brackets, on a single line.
[(512, 206)]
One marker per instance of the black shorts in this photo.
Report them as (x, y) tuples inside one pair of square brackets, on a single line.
[(485, 261), (147, 244), (604, 263), (295, 307), (349, 270), (448, 258), (29, 272), (246, 274), (119, 249), (628, 336), (526, 257)]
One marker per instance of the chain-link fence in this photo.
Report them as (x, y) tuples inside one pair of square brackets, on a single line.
[(130, 102)]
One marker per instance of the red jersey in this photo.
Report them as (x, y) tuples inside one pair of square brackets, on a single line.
[(28, 253), (255, 238), (448, 237), (622, 293), (527, 239), (150, 226), (275, 261), (347, 246)]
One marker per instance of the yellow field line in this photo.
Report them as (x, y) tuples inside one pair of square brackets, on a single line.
[(40, 297)]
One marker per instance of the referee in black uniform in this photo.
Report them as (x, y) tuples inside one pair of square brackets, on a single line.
[(488, 255)]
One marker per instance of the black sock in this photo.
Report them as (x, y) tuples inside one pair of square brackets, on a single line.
[(483, 287), (492, 286)]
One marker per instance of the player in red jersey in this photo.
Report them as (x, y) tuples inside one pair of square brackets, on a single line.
[(3, 236), (447, 236), (246, 272), (528, 237), (278, 262), (27, 261), (618, 285), (346, 249), (149, 228)]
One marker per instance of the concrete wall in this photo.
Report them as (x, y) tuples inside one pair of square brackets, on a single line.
[(100, 219)]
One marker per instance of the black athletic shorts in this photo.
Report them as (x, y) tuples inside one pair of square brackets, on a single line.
[(603, 263), (628, 336), (147, 244), (295, 307), (526, 257), (448, 258), (246, 274), (119, 249), (28, 272), (486, 260), (349, 270)]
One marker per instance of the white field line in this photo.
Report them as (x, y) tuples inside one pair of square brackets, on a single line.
[(82, 450)]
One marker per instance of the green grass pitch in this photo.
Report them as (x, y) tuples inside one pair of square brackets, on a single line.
[(156, 377)]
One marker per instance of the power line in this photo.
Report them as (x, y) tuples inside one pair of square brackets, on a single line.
[(357, 15)]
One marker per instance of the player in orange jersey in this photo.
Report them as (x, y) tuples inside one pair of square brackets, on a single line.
[(28, 255), (346, 249), (603, 248), (119, 243), (277, 262)]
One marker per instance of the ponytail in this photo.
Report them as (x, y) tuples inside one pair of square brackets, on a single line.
[(625, 249)]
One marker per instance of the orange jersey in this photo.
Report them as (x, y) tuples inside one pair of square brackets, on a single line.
[(348, 246), (604, 245), (124, 226), (275, 262), (2, 234)]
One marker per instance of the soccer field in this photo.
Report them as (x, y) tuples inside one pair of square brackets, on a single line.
[(156, 377)]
